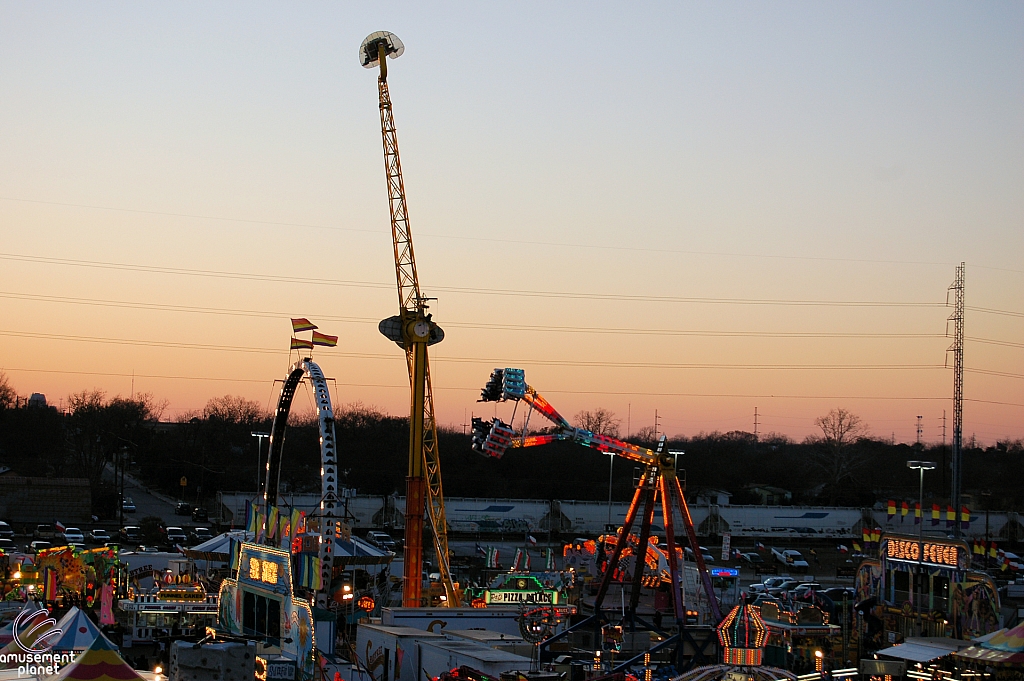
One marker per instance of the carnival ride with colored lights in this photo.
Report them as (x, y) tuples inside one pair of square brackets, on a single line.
[(413, 330), (742, 636), (659, 481)]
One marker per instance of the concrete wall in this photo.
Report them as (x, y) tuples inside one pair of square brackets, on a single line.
[(33, 501)]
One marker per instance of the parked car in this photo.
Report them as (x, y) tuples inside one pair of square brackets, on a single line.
[(752, 558), (6, 532), (45, 532), (768, 583), (200, 534), (176, 535), (708, 558), (37, 546), (803, 588), (199, 515), (8, 545), (761, 599), (99, 536), (183, 508), (836, 594), (73, 535), (784, 587), (131, 534), (382, 540), (127, 505)]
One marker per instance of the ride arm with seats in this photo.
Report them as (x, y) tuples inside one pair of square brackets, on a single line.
[(494, 437)]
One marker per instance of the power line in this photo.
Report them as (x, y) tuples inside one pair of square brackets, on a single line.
[(279, 315), (220, 274), (468, 360), (637, 393)]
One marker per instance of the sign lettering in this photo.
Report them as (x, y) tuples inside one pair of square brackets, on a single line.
[(946, 555), (516, 597)]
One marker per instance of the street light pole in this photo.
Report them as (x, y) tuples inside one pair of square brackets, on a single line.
[(921, 466), (611, 464), (259, 457)]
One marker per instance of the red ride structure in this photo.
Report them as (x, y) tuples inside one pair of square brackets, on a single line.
[(658, 483)]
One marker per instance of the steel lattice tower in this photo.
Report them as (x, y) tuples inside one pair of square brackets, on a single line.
[(958, 392)]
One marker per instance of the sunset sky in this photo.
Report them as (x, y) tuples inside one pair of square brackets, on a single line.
[(694, 208)]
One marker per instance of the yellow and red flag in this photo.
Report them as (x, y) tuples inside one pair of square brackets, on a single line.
[(904, 509), (299, 344), (890, 509), (324, 339), (992, 552), (965, 517), (302, 324)]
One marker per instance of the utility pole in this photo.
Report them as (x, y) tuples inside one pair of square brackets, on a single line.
[(657, 424), (958, 392), (755, 424), (920, 430)]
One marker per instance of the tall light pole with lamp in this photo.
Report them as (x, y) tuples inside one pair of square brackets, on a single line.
[(921, 466), (259, 457)]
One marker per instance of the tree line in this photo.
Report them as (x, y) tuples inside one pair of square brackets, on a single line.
[(213, 448)]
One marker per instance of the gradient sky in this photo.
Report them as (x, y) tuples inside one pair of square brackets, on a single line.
[(577, 174)]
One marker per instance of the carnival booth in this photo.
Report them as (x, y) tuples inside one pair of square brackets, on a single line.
[(925, 588), (259, 603), (1000, 654)]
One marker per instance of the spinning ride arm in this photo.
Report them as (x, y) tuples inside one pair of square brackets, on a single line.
[(495, 437), (413, 330)]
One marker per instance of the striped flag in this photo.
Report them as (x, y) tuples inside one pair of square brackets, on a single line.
[(936, 514), (950, 516), (250, 517), (965, 517), (296, 519), (272, 523), (492, 557), (299, 344), (324, 339), (515, 559), (917, 513), (992, 553), (302, 324), (857, 547), (526, 561), (890, 509), (977, 548), (904, 509), (284, 533), (49, 584), (549, 559)]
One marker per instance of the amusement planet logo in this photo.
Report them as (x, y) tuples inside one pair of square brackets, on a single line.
[(46, 638)]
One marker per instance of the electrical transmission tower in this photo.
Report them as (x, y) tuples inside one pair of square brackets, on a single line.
[(957, 349)]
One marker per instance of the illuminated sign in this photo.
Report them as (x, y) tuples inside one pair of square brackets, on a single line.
[(262, 571), (516, 597), (264, 567), (724, 572), (946, 555)]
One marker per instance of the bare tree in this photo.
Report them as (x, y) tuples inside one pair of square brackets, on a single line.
[(7, 393), (234, 409), (835, 458), (599, 421)]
